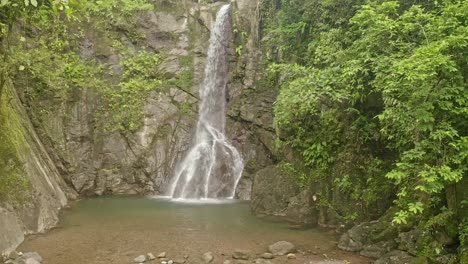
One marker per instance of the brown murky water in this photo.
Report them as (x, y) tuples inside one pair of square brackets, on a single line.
[(117, 229)]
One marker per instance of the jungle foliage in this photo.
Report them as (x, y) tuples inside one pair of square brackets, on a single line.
[(378, 88)]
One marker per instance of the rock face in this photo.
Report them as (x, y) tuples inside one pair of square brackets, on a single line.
[(250, 124), (275, 193), (95, 161), (49, 193)]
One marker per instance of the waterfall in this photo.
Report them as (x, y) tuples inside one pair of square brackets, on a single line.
[(212, 167)]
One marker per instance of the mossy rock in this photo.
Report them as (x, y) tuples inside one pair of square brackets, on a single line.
[(421, 260)]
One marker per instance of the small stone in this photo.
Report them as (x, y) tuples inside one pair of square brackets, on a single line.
[(241, 254), (179, 261), (208, 257), (262, 261), (281, 248), (162, 255), (170, 262), (140, 259), (291, 256), (13, 255), (267, 256), (151, 256), (163, 262)]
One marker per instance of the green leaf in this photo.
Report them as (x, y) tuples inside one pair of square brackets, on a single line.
[(34, 3)]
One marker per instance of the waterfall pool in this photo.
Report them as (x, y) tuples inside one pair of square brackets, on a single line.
[(118, 229)]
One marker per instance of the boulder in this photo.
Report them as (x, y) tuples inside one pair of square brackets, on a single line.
[(355, 239), (275, 193), (377, 250), (281, 248), (407, 241), (395, 257)]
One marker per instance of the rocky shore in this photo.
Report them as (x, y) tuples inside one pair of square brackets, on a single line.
[(279, 252)]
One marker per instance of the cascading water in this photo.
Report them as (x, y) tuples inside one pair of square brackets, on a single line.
[(212, 167)]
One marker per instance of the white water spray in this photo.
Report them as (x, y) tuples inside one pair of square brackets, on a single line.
[(213, 167)]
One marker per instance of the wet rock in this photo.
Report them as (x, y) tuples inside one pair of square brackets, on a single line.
[(379, 249), (207, 257), (140, 259), (354, 239), (151, 256), (27, 261), (262, 261), (407, 241), (275, 193), (13, 255), (291, 256), (267, 255), (241, 254), (281, 248), (162, 255), (179, 261), (395, 257), (32, 255), (244, 189)]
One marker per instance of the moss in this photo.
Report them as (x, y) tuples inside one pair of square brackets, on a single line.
[(14, 186)]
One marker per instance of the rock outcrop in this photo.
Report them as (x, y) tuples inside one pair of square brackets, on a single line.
[(275, 193), (47, 192)]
